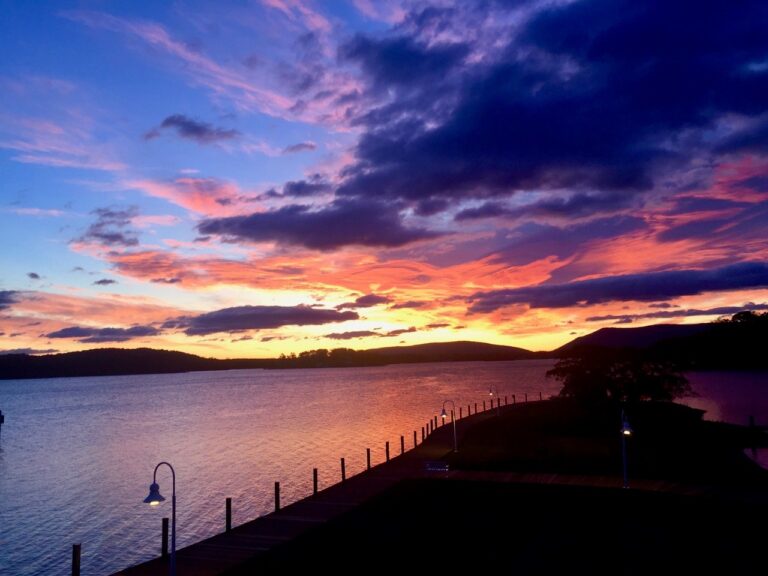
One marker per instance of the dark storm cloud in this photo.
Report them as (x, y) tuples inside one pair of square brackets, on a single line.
[(721, 311), (111, 227), (569, 207), (401, 60), (87, 335), (303, 188), (639, 287), (185, 127), (7, 297), (592, 95), (365, 301), (241, 318), (341, 223), (33, 275), (687, 204)]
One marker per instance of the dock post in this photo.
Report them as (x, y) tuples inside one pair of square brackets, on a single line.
[(475, 407), (436, 422), (514, 399), (461, 408), (483, 405), (526, 396), (164, 539), (505, 400), (540, 398), (343, 470), (277, 496), (75, 559), (387, 450), (228, 519), (2, 420), (415, 439), (423, 435), (314, 480), (368, 457), (402, 444)]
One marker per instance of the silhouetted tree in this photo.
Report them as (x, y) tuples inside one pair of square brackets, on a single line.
[(620, 376)]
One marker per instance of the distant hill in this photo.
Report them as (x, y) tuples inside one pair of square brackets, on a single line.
[(642, 337), (123, 361), (112, 362), (453, 351)]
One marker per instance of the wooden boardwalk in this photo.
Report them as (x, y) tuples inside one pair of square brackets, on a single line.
[(227, 550)]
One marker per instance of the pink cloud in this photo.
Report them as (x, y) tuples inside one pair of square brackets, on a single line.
[(202, 195), (381, 10)]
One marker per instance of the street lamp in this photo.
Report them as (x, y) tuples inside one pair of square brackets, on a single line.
[(626, 432), (155, 498), (491, 390), (453, 419)]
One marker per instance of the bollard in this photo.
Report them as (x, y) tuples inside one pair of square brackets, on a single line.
[(314, 480), (75, 559), (415, 439), (402, 444), (368, 457), (228, 515), (343, 471), (387, 449), (164, 539), (277, 496)]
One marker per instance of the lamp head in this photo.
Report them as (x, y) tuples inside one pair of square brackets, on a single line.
[(443, 415), (154, 497)]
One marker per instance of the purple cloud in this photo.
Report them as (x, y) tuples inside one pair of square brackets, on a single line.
[(341, 223), (365, 301), (111, 227), (241, 318), (720, 311), (185, 127), (87, 335), (638, 287), (105, 282), (300, 147), (7, 297)]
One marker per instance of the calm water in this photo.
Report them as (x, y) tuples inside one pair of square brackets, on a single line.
[(77, 454)]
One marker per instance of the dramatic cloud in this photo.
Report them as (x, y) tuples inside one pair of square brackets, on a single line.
[(682, 313), (200, 132), (341, 223), (105, 282), (98, 335), (560, 105), (411, 304), (7, 297), (303, 188), (365, 301), (640, 287), (112, 227), (241, 318), (300, 147)]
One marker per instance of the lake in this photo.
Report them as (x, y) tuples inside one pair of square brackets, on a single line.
[(77, 454)]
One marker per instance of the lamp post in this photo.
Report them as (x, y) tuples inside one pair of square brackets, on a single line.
[(491, 390), (626, 432), (453, 420), (155, 498)]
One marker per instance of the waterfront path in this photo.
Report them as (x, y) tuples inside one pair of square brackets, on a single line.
[(227, 551)]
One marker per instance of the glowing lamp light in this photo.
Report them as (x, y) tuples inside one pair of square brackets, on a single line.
[(443, 415), (154, 497)]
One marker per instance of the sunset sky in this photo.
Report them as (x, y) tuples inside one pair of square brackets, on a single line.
[(250, 178)]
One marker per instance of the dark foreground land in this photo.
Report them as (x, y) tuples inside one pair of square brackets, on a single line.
[(536, 488)]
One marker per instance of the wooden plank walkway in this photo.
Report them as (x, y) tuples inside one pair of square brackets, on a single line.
[(227, 550)]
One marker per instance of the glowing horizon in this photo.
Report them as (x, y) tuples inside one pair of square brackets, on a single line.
[(249, 180)]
